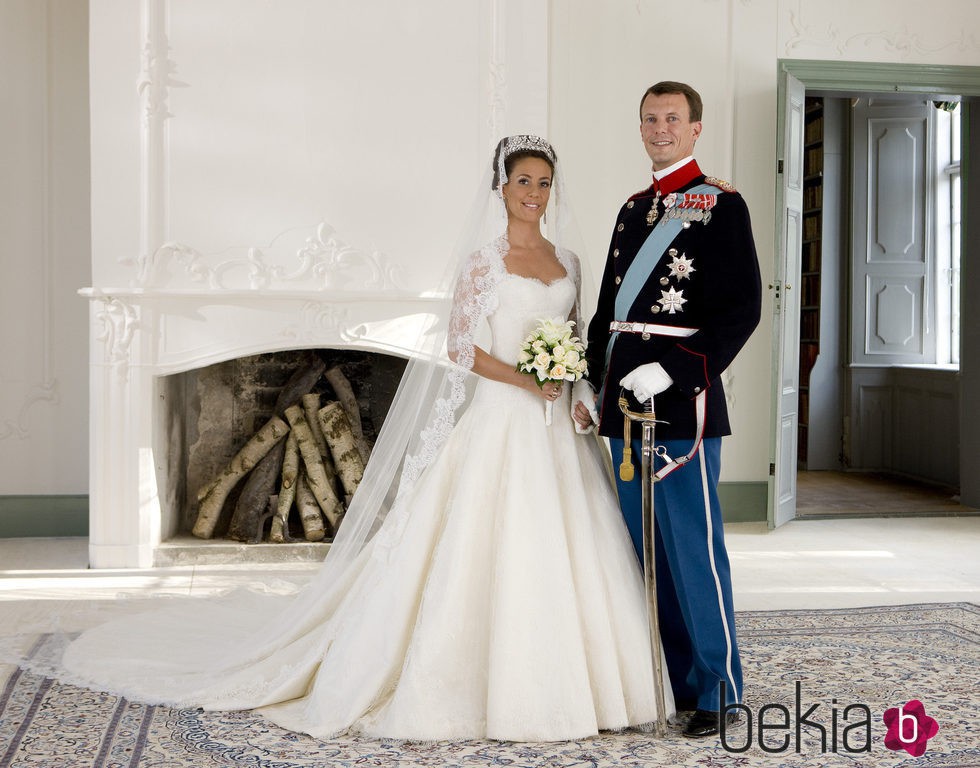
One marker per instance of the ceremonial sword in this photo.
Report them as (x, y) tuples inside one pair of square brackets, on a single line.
[(647, 419)]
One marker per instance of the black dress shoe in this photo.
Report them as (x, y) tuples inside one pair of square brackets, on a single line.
[(704, 723)]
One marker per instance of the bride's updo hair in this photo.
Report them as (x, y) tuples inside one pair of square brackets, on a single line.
[(513, 148)]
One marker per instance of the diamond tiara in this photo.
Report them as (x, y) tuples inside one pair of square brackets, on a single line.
[(517, 143), (527, 141)]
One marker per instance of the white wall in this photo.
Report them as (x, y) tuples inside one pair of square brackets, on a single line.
[(44, 247), (376, 118), (255, 119)]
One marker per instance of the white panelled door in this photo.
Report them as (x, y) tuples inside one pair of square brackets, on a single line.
[(786, 305), (892, 266)]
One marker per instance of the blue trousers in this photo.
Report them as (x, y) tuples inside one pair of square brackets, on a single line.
[(694, 589)]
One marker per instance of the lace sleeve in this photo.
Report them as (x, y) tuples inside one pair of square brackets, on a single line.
[(474, 298)]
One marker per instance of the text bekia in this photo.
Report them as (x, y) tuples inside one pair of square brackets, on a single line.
[(780, 729)]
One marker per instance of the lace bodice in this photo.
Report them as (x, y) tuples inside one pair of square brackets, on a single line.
[(521, 303)]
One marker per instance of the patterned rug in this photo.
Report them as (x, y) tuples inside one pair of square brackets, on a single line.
[(820, 682)]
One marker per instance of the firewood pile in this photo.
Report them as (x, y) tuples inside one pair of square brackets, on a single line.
[(306, 460)]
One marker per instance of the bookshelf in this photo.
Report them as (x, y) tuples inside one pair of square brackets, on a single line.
[(813, 156)]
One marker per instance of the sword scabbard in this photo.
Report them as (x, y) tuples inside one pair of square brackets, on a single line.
[(648, 421)]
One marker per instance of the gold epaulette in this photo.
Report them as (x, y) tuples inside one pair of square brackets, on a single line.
[(720, 183)]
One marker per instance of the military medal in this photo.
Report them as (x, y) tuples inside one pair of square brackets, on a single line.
[(689, 207), (672, 301), (681, 267), (652, 214)]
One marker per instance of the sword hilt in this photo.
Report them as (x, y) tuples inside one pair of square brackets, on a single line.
[(646, 416)]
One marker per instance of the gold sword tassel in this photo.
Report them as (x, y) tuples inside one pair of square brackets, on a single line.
[(626, 468)]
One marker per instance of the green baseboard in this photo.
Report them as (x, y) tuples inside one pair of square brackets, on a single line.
[(744, 502), (23, 516)]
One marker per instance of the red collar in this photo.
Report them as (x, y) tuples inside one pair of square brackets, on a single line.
[(679, 178)]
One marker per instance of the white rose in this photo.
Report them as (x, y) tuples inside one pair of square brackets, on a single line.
[(542, 361), (572, 357), (552, 330), (558, 353), (558, 371), (538, 346)]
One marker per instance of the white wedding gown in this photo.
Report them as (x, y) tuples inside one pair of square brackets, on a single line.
[(501, 598)]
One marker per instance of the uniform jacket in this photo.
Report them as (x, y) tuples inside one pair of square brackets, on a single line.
[(707, 279)]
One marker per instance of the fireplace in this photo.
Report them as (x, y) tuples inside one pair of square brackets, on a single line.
[(186, 312), (211, 412)]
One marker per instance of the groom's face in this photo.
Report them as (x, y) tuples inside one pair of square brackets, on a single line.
[(666, 127)]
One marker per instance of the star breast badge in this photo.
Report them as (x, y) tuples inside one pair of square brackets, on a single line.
[(681, 267), (672, 301)]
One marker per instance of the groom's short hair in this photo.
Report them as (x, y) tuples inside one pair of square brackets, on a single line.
[(664, 87)]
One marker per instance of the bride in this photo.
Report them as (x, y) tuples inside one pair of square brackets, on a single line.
[(483, 584)]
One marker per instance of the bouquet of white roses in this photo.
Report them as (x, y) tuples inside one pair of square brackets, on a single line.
[(551, 353)]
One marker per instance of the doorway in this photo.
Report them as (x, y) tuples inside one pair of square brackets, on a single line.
[(834, 84)]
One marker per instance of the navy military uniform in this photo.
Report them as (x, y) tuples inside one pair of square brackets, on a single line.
[(692, 313)]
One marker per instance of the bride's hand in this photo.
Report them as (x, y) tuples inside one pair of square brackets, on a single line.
[(551, 390)]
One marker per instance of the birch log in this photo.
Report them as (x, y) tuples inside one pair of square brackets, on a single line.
[(309, 510), (287, 490), (253, 502), (315, 473), (337, 431), (311, 404), (345, 394), (261, 443), (277, 531)]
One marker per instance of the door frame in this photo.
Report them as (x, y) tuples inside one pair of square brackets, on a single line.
[(949, 81)]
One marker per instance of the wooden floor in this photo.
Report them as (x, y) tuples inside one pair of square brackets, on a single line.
[(871, 494)]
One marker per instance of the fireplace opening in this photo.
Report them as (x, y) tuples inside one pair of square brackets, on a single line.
[(211, 417)]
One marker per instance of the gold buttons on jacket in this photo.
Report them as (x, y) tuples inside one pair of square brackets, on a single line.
[(664, 281), (620, 228), (629, 204), (655, 309), (618, 279), (616, 253)]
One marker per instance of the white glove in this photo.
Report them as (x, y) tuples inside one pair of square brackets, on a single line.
[(646, 381), (582, 392)]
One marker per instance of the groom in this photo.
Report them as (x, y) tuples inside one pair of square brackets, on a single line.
[(679, 297)]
